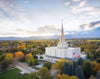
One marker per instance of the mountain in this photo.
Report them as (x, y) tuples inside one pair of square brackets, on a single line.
[(93, 32)]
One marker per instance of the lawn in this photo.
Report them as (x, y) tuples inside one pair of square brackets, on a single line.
[(12, 74)]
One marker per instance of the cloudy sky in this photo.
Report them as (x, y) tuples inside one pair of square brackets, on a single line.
[(25, 18)]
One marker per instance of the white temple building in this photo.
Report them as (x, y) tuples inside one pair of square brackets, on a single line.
[(61, 51)]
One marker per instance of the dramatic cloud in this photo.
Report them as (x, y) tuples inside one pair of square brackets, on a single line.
[(24, 18), (84, 9), (47, 30), (90, 25)]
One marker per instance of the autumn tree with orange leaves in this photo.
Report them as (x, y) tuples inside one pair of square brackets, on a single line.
[(19, 55)]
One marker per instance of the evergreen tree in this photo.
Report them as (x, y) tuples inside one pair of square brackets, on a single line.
[(80, 61), (79, 72), (74, 66), (67, 69)]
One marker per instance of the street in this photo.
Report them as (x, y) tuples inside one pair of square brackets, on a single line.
[(25, 68)]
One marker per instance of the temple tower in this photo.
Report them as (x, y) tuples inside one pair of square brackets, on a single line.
[(62, 43)]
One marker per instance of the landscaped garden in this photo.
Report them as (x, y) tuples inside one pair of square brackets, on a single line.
[(13, 74)]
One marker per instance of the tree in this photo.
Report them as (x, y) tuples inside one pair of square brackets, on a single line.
[(93, 47), (34, 62), (93, 52), (73, 77), (70, 62), (29, 46), (21, 46), (33, 75), (59, 65), (29, 57), (98, 60), (36, 57), (87, 68), (0, 53), (79, 72), (64, 76), (44, 73), (74, 67), (41, 57), (95, 67), (19, 55), (91, 77), (47, 64), (67, 69), (9, 57), (80, 61), (4, 64), (2, 57)]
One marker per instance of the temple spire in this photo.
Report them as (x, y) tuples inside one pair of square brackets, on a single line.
[(62, 37), (62, 42)]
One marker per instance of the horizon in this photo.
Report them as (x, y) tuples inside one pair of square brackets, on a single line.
[(36, 18)]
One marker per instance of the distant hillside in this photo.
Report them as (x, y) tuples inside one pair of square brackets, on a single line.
[(93, 33), (75, 36)]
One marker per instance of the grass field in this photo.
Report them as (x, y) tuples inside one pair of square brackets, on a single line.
[(12, 74)]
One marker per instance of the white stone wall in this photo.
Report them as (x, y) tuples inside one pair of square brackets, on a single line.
[(62, 53)]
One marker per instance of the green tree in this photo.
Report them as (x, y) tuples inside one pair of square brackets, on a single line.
[(74, 66), (67, 69), (79, 72), (2, 57), (35, 57), (33, 75), (47, 64), (41, 57), (34, 62), (80, 61), (4, 64), (44, 73), (98, 60), (0, 53), (87, 68)]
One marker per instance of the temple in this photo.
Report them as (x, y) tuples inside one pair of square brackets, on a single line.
[(62, 50)]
